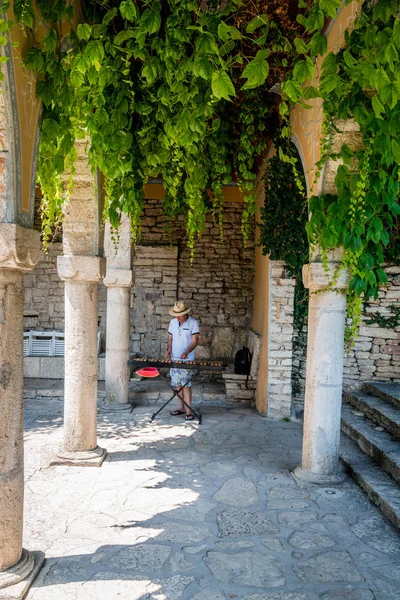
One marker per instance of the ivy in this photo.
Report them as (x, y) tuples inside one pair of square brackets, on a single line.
[(283, 218), (386, 322)]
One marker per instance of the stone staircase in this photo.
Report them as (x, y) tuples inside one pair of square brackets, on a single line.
[(370, 446)]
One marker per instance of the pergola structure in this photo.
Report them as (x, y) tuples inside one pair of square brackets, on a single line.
[(87, 260)]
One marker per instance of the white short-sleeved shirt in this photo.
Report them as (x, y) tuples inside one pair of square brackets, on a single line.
[(182, 336)]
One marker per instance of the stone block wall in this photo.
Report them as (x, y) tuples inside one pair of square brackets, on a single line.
[(218, 284), (280, 343), (44, 294), (376, 353)]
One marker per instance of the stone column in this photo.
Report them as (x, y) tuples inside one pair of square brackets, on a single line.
[(118, 282), (324, 376), (81, 268), (19, 252), (81, 275)]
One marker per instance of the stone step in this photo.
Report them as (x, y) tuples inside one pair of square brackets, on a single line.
[(390, 392), (376, 409), (378, 445), (381, 489)]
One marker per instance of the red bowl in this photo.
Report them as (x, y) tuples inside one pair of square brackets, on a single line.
[(148, 372)]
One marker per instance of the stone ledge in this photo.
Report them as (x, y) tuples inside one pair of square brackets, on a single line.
[(19, 247)]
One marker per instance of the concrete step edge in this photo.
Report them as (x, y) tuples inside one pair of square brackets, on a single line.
[(379, 446), (386, 391), (379, 487), (379, 411)]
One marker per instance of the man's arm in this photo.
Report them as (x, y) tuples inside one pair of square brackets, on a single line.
[(169, 346), (195, 341)]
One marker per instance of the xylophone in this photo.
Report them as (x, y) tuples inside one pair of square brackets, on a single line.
[(200, 365)]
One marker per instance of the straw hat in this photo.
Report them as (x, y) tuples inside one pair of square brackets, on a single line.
[(179, 309)]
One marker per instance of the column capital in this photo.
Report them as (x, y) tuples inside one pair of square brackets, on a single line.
[(118, 278), (316, 277), (81, 269), (19, 247)]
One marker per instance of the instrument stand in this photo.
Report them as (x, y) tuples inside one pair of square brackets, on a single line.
[(176, 392)]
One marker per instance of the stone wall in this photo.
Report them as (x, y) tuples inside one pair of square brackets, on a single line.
[(376, 353), (44, 294), (218, 285), (280, 343)]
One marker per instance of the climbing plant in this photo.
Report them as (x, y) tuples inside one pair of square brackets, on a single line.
[(175, 89), (283, 218)]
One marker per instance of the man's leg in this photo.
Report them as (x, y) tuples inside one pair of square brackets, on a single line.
[(181, 395), (187, 394)]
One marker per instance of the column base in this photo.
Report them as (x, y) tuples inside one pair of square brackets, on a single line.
[(89, 458), (320, 478), (15, 581), (114, 406)]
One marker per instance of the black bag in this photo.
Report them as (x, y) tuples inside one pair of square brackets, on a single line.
[(243, 362)]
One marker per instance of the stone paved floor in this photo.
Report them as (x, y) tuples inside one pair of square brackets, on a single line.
[(180, 511)]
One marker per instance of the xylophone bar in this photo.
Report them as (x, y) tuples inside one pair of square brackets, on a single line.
[(169, 364)]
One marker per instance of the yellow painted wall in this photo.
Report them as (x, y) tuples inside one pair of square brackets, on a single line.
[(28, 109)]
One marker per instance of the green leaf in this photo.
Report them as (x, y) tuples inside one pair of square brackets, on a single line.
[(24, 13), (123, 35), (391, 54), (304, 69), (349, 60), (329, 65), (396, 33), (378, 107), (84, 31), (50, 41), (256, 71), (150, 21), (149, 72), (35, 60), (396, 151), (202, 68), (45, 91), (330, 7), (205, 44), (77, 78), (129, 11), (390, 93), (300, 46), (316, 19), (257, 22), (311, 92), (221, 85), (318, 44), (228, 32), (292, 89), (384, 9)]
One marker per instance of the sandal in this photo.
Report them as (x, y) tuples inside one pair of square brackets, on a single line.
[(176, 413), (189, 417)]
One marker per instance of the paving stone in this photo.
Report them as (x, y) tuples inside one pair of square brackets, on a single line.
[(219, 468), (245, 568), (389, 571), (185, 534), (237, 492), (194, 549), (244, 523), (209, 595), (328, 567), (348, 594), (198, 511), (279, 596), (273, 544), (179, 563), (297, 519), (310, 541), (141, 557), (376, 533), (234, 545)]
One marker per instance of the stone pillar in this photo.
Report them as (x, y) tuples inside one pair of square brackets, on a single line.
[(324, 376), (81, 275), (81, 268), (118, 282), (19, 252)]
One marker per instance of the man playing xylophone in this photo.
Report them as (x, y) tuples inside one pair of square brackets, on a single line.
[(183, 337)]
